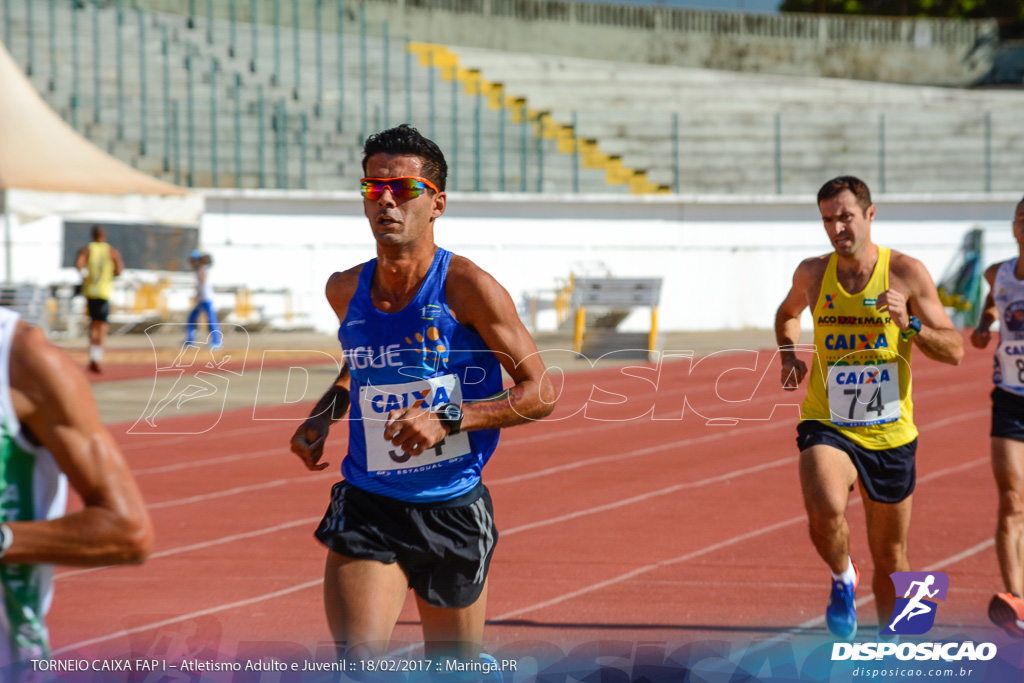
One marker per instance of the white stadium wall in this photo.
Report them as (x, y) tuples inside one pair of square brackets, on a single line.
[(726, 261)]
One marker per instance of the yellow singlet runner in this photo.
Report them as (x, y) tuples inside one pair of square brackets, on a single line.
[(860, 378), (100, 282)]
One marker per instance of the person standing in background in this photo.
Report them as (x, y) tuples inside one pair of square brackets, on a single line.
[(99, 263), (201, 263)]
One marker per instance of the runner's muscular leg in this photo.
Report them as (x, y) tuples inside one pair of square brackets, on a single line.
[(826, 475), (1008, 468), (453, 632), (888, 525), (363, 599)]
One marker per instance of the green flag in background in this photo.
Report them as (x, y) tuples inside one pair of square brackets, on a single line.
[(960, 286)]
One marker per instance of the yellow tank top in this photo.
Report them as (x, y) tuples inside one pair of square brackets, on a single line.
[(860, 378), (99, 283)]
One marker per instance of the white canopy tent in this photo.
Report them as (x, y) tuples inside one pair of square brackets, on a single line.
[(47, 169)]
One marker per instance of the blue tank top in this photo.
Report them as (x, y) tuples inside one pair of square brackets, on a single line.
[(417, 357)]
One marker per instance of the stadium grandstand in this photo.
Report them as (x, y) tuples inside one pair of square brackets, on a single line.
[(637, 183), (634, 99)]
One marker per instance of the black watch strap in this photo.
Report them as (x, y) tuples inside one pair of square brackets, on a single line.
[(451, 415)]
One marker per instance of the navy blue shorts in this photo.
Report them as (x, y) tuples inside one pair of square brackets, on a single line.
[(1007, 415), (888, 475), (444, 548)]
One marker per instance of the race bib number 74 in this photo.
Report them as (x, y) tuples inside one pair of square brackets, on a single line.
[(383, 457), (863, 395)]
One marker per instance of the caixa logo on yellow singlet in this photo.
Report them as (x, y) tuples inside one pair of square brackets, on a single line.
[(856, 342)]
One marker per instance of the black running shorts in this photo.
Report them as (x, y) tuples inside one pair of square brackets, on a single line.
[(99, 309), (444, 548), (1007, 414), (888, 475)]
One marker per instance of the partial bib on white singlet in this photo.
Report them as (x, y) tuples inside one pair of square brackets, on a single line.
[(1010, 355)]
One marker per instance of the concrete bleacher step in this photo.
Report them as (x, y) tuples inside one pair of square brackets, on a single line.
[(655, 80), (121, 131), (628, 127), (630, 109)]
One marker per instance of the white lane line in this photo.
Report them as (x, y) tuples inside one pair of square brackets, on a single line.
[(973, 550), (541, 523), (236, 491), (737, 539), (583, 591), (650, 568), (740, 538), (507, 532), (514, 438), (870, 597), (163, 469), (711, 480), (514, 530), (647, 496), (259, 532), (725, 433), (202, 545), (124, 633), (180, 438), (953, 559)]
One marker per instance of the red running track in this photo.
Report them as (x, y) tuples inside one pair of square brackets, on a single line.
[(621, 517)]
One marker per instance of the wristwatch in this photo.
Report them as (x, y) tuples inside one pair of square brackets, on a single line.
[(915, 327), (450, 415)]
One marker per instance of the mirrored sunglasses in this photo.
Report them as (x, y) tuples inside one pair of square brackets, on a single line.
[(406, 187)]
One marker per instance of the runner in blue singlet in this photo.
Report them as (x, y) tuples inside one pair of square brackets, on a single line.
[(425, 335)]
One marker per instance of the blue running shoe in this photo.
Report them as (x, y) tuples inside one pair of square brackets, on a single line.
[(841, 613)]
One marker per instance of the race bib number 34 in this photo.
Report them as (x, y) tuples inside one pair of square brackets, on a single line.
[(863, 395), (383, 457)]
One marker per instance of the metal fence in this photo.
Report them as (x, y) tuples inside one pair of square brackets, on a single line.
[(231, 94)]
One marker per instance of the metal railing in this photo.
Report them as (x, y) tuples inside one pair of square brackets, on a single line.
[(787, 26), (310, 137)]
